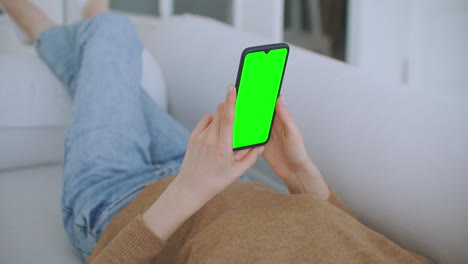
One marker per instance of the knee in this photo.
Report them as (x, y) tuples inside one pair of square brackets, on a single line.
[(114, 27), (108, 21)]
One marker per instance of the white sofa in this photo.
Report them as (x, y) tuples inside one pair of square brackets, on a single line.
[(397, 155)]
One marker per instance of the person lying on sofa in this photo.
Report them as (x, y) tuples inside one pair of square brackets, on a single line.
[(139, 188)]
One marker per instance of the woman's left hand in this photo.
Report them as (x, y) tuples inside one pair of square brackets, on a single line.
[(210, 165)]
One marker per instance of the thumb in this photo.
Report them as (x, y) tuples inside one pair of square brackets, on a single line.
[(250, 158)]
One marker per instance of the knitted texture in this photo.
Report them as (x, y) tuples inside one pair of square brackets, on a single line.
[(249, 223)]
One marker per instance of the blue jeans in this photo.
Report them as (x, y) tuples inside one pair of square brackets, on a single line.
[(119, 139)]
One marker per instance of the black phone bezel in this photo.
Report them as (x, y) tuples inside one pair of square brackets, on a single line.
[(265, 48)]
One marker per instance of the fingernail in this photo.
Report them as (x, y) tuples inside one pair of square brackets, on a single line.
[(261, 149), (282, 99), (230, 89)]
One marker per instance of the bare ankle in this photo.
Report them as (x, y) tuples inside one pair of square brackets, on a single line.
[(94, 8), (30, 19)]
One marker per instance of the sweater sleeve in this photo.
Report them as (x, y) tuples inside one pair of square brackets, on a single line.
[(336, 201), (135, 243)]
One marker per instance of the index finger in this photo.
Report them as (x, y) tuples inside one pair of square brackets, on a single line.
[(202, 124), (227, 120)]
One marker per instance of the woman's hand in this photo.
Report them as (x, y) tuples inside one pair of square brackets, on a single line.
[(208, 168), (287, 155), (210, 165)]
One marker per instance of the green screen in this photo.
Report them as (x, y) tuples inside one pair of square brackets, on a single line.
[(259, 84)]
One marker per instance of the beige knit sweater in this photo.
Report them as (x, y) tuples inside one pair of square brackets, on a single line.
[(248, 223)]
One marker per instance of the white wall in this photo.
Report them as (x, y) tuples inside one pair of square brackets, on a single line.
[(376, 41), (262, 17), (437, 44), (418, 42)]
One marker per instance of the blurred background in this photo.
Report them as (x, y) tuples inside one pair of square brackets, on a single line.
[(414, 42), (317, 25)]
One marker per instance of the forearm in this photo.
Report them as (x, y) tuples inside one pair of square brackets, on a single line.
[(175, 205), (145, 237)]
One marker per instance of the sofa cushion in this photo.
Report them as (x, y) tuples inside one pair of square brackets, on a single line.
[(34, 111), (35, 108), (31, 223)]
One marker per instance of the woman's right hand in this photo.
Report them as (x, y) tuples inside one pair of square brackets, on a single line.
[(287, 155), (209, 164)]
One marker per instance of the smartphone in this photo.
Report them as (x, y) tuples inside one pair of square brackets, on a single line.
[(261, 71)]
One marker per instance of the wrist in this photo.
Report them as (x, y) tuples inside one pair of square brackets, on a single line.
[(188, 193), (196, 193), (170, 210)]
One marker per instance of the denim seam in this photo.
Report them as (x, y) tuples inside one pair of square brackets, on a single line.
[(115, 203), (82, 227)]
